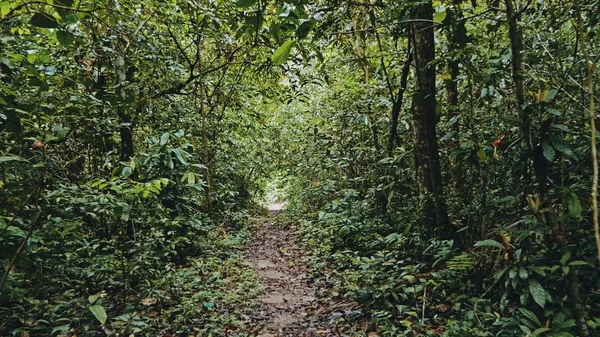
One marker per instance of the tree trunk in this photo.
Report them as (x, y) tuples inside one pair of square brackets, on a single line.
[(123, 114), (457, 37), (516, 47), (427, 162), (397, 104)]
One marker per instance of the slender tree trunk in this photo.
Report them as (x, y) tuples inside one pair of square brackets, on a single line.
[(457, 37), (125, 127), (397, 105), (592, 116), (516, 47), (427, 162)]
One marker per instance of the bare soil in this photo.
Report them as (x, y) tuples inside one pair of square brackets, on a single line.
[(289, 304)]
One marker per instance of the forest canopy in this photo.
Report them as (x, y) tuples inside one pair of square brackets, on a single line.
[(438, 161)]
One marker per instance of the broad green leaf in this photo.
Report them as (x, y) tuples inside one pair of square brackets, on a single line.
[(181, 155), (164, 138), (550, 94), (562, 146), (208, 305), (523, 273), (245, 3), (549, 152), (481, 154), (531, 316), (62, 329), (282, 53), (574, 205), (12, 231), (99, 313), (64, 38), (489, 243), (126, 172), (11, 158), (439, 17), (43, 21), (537, 292), (5, 7), (537, 270)]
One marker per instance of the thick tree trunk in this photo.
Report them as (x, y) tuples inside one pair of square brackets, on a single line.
[(427, 160)]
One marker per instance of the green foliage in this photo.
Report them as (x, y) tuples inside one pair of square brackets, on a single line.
[(135, 137)]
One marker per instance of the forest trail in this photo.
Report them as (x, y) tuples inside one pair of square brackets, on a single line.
[(289, 305)]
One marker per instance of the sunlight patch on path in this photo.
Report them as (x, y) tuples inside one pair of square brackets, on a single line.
[(277, 206)]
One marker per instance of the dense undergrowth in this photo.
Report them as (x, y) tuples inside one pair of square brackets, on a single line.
[(180, 274), (439, 157), (411, 286)]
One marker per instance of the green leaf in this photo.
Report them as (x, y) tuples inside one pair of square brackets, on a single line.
[(481, 154), (554, 112), (191, 179), (550, 94), (537, 292), (282, 53), (561, 334), (578, 263), (523, 273), (99, 313), (61, 329), (537, 270), (181, 155), (208, 305), (164, 138), (562, 146), (565, 258), (439, 17), (489, 243), (549, 152), (126, 172), (574, 206), (93, 298), (539, 331), (531, 316), (245, 3), (5, 8), (43, 21), (303, 30), (12, 231), (64, 38), (11, 158)]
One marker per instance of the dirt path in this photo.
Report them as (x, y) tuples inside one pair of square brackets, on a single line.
[(289, 306)]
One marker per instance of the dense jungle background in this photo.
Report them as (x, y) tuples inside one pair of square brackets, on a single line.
[(437, 158)]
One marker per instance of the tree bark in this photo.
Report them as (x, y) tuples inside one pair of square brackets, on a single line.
[(457, 37), (516, 47), (427, 161), (397, 104)]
